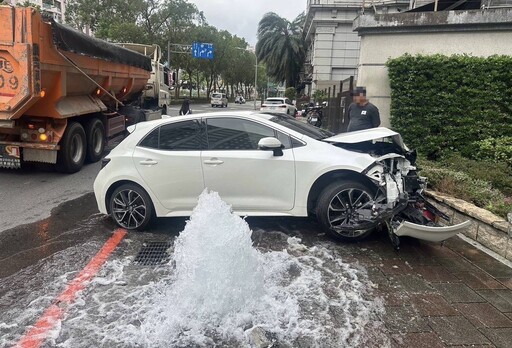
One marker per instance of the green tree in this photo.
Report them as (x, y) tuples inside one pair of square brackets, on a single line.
[(281, 47), (290, 93)]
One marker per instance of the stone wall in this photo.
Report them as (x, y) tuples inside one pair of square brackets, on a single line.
[(486, 228)]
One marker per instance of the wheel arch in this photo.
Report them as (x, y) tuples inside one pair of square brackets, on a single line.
[(327, 178)]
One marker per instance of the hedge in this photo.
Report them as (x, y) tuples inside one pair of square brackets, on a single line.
[(446, 104)]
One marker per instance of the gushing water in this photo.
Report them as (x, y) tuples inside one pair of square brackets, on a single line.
[(218, 274), (221, 291)]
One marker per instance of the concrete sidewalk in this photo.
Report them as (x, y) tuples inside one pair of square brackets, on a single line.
[(440, 295)]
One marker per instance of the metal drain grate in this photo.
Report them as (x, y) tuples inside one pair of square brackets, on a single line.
[(153, 254)]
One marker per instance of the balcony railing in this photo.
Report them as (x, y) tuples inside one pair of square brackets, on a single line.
[(335, 3), (356, 3)]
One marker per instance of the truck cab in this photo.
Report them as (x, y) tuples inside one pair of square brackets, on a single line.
[(156, 94)]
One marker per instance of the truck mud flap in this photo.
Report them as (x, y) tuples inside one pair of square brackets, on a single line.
[(430, 233)]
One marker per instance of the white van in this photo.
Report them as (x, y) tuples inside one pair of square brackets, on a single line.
[(219, 99)]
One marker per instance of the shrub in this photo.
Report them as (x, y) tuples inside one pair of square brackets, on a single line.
[(319, 96), (290, 93), (463, 186), (442, 104), (498, 174), (498, 149)]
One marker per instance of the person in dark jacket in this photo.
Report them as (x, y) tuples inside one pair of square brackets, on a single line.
[(185, 107), (361, 113)]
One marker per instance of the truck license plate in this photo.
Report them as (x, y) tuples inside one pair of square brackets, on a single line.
[(10, 156)]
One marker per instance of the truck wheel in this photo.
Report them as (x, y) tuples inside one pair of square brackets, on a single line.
[(95, 133), (131, 207), (344, 209), (71, 155)]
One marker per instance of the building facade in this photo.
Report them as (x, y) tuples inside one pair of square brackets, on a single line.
[(56, 8), (333, 46)]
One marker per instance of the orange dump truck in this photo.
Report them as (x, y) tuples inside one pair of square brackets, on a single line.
[(63, 94)]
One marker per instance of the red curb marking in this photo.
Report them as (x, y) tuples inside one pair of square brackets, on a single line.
[(36, 336)]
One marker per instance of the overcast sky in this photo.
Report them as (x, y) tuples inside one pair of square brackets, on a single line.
[(241, 17)]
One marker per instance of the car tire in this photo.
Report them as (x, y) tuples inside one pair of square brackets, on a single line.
[(130, 207), (339, 222), (212, 105), (71, 156), (95, 134)]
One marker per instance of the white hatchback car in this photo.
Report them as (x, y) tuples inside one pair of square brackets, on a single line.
[(267, 164), (283, 105)]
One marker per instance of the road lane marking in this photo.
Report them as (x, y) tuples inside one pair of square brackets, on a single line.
[(36, 336)]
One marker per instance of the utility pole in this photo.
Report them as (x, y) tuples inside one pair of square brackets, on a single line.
[(255, 73)]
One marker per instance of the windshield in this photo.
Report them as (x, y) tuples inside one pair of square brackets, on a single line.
[(216, 95), (301, 127)]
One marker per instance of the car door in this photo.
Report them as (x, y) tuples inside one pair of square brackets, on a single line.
[(290, 107), (169, 161), (249, 179)]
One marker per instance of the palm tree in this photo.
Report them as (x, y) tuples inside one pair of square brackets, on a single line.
[(281, 47)]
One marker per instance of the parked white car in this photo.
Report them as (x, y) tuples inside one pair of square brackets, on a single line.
[(283, 105), (219, 99), (267, 164)]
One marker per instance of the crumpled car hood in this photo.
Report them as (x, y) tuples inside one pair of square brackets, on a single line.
[(367, 135)]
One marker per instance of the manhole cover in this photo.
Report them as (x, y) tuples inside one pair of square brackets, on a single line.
[(152, 254)]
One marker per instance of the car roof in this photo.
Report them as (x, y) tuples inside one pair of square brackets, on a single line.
[(250, 115)]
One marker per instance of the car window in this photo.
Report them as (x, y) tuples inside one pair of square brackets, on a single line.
[(216, 95), (180, 136), (301, 127), (285, 140), (274, 101), (235, 134), (151, 140)]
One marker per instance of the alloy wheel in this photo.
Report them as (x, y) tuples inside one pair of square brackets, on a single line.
[(349, 212), (129, 209)]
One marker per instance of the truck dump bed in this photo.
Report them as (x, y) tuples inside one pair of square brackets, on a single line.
[(50, 70)]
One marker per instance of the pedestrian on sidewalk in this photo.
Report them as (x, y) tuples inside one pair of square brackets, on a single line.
[(361, 113)]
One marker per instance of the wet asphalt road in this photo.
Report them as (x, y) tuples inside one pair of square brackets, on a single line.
[(29, 195)]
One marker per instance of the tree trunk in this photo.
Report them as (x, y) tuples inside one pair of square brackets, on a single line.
[(190, 83), (198, 85)]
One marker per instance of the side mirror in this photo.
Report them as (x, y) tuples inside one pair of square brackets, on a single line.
[(271, 144)]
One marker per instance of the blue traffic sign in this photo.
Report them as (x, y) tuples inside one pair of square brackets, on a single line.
[(202, 50)]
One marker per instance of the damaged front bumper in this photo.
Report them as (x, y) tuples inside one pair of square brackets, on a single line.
[(429, 233)]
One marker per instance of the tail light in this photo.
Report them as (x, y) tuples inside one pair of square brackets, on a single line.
[(283, 106)]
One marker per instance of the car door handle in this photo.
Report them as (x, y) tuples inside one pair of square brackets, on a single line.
[(213, 161), (148, 162)]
